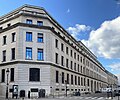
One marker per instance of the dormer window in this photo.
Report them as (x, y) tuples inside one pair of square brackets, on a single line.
[(29, 21)]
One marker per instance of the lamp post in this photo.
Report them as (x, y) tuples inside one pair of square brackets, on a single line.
[(111, 92), (7, 72), (66, 87)]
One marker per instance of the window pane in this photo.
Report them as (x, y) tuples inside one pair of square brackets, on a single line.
[(4, 39), (57, 78), (28, 53), (13, 53), (12, 74), (34, 74), (29, 21), (56, 43), (13, 37), (28, 36), (4, 55), (62, 77), (3, 75), (40, 37), (40, 23), (40, 54), (56, 58)]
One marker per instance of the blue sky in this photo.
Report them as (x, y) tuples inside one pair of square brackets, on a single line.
[(95, 22)]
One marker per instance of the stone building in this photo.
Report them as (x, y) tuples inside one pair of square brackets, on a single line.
[(40, 54)]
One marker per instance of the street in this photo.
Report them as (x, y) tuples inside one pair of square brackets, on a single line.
[(98, 96)]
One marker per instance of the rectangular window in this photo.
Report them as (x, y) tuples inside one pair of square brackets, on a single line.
[(75, 66), (75, 80), (40, 23), (81, 69), (29, 36), (56, 58), (78, 80), (71, 64), (88, 82), (28, 53), (12, 75), (62, 60), (4, 55), (67, 63), (66, 50), (3, 75), (74, 55), (62, 47), (40, 54), (78, 57), (81, 59), (81, 81), (40, 37), (72, 79), (67, 78), (78, 68), (71, 53), (34, 74), (4, 40), (57, 77), (29, 21), (84, 81), (62, 77), (13, 53), (13, 37), (56, 43)]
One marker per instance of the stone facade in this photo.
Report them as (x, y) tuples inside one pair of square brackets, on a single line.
[(63, 56)]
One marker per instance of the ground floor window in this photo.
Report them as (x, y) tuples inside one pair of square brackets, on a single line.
[(34, 74)]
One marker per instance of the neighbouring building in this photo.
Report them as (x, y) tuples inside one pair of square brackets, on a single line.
[(40, 54)]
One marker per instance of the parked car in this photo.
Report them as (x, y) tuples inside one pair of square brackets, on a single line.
[(117, 93), (87, 92), (76, 93), (98, 92)]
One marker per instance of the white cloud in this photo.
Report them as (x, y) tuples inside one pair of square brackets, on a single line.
[(68, 11), (115, 66), (105, 41), (118, 2), (75, 31)]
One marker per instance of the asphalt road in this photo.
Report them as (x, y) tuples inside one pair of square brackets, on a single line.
[(98, 96)]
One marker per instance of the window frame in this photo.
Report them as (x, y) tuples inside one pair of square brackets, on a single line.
[(28, 52), (4, 55), (12, 53), (29, 37), (40, 53), (40, 37), (12, 74), (29, 21), (4, 40), (40, 23), (3, 75), (13, 37), (34, 76)]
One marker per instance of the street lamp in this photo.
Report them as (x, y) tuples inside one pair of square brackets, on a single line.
[(66, 87), (7, 72)]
